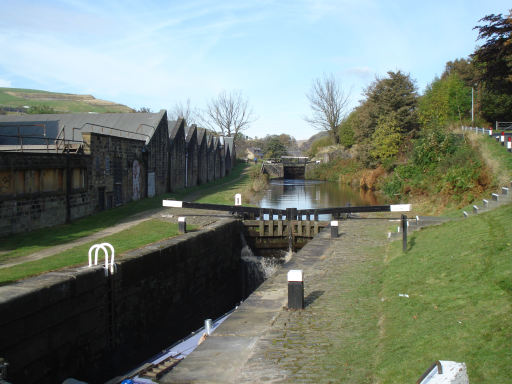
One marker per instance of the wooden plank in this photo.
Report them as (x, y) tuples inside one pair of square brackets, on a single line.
[(279, 228), (299, 227), (316, 228), (308, 228), (262, 228), (271, 228)]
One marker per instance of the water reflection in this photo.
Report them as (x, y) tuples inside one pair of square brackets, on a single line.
[(304, 194)]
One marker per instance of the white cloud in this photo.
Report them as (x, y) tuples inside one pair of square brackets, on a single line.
[(361, 72), (5, 83)]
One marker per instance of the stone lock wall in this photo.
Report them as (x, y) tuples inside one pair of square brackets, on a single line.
[(81, 323)]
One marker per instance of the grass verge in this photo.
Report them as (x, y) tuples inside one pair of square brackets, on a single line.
[(142, 234), (459, 280)]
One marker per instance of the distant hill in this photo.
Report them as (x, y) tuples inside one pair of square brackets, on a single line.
[(304, 145), (17, 99)]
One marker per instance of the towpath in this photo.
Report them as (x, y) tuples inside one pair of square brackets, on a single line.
[(264, 342)]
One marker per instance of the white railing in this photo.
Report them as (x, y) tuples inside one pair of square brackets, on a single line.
[(109, 265)]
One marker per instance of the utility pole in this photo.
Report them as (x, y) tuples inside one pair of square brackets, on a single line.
[(472, 109)]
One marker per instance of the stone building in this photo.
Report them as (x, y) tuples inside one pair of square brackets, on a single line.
[(58, 167), (191, 160), (202, 156), (177, 154)]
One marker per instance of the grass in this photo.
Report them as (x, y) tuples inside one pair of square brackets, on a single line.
[(225, 194), (63, 104), (496, 156), (459, 280), (142, 234)]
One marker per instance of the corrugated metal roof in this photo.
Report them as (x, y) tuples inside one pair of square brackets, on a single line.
[(137, 126)]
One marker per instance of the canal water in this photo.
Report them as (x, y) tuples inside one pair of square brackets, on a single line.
[(305, 194)]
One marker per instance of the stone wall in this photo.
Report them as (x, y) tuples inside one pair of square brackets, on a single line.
[(40, 190), (117, 169), (80, 323)]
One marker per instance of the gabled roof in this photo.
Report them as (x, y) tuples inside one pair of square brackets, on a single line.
[(179, 126), (70, 126), (229, 142), (190, 132), (201, 135)]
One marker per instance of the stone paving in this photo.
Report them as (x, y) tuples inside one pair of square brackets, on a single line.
[(263, 342)]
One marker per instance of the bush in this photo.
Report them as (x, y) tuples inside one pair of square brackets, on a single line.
[(319, 143)]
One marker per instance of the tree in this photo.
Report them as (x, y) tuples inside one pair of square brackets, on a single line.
[(446, 100), (144, 110), (494, 57), (386, 139), (274, 148), (328, 102), (185, 111), (228, 114), (493, 61), (346, 129)]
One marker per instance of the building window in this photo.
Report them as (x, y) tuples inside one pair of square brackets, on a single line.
[(107, 165)]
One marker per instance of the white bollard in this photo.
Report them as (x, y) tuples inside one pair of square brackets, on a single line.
[(295, 289), (334, 229), (509, 144), (502, 138), (238, 199), (208, 325), (182, 225)]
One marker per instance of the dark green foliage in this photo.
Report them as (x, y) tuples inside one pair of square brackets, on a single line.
[(346, 130), (385, 118), (493, 60), (445, 101), (274, 148), (393, 94), (496, 106), (494, 57), (442, 162)]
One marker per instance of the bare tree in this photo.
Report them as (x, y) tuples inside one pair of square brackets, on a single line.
[(190, 114), (328, 102), (228, 114)]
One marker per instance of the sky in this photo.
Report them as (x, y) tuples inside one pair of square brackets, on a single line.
[(156, 54)]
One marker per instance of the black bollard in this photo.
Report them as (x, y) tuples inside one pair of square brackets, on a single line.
[(404, 233), (295, 289)]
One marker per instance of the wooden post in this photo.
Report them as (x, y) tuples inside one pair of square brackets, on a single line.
[(404, 233)]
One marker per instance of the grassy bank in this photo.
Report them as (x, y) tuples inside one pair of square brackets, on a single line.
[(142, 234), (459, 280), (250, 183)]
